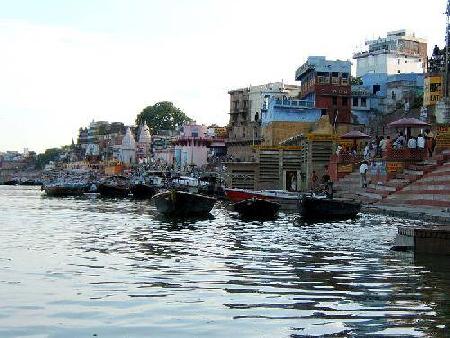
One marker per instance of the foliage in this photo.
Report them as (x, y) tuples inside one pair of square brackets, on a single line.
[(162, 116), (51, 154), (418, 102), (355, 81)]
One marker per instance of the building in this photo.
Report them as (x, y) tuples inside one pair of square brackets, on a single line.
[(246, 108), (191, 147), (127, 150), (286, 117), (397, 53), (327, 84), (144, 144), (162, 147)]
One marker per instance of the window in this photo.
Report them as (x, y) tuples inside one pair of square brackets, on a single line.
[(345, 101), (398, 71), (323, 77), (344, 78), (334, 100), (375, 89), (363, 102), (334, 78), (355, 102), (393, 95)]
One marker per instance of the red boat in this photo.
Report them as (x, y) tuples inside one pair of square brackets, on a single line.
[(288, 200)]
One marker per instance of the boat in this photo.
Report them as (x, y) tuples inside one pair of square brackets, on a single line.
[(257, 208), (182, 203), (322, 207), (114, 186), (11, 182), (143, 190), (62, 189), (287, 199)]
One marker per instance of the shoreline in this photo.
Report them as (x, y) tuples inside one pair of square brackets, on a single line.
[(410, 212)]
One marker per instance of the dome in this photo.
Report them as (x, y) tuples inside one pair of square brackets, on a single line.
[(144, 135), (128, 141)]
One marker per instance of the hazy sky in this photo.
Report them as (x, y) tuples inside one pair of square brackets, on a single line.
[(66, 62)]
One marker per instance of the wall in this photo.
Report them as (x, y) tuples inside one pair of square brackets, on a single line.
[(191, 154), (276, 132), (389, 64)]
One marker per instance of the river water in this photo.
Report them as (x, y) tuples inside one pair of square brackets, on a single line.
[(90, 267)]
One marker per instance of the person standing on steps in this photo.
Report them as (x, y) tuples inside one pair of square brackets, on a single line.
[(363, 168)]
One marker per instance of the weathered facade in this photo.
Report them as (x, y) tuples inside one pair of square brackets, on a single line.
[(399, 52), (327, 84)]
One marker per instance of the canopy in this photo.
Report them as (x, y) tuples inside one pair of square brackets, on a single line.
[(408, 122), (355, 135)]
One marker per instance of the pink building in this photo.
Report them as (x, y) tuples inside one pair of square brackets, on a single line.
[(191, 147)]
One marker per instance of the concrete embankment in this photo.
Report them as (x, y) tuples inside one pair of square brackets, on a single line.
[(436, 215)]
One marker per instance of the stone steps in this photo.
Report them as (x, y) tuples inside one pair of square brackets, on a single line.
[(422, 203)]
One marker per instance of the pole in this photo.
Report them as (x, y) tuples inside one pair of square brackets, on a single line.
[(447, 12)]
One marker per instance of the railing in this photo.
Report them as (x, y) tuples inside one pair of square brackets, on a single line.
[(405, 154), (294, 103)]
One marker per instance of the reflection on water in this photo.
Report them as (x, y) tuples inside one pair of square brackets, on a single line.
[(78, 267)]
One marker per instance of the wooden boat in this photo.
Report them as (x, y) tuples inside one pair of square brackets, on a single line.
[(116, 186), (65, 189), (143, 190), (288, 200), (257, 208), (182, 203), (328, 208)]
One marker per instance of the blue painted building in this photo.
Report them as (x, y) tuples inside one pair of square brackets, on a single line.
[(289, 110), (381, 93)]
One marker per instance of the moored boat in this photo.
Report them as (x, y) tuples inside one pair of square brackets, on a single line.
[(182, 203), (328, 208), (143, 190), (61, 189), (115, 186), (257, 208), (288, 200)]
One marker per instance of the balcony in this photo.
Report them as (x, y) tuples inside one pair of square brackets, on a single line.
[(289, 103)]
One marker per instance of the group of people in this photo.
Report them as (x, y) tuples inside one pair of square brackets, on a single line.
[(380, 144)]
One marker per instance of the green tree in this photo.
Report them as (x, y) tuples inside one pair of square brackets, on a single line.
[(51, 154), (354, 81), (162, 115)]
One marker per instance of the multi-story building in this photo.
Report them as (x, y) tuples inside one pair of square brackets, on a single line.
[(327, 84), (283, 118), (246, 108), (191, 147), (399, 52)]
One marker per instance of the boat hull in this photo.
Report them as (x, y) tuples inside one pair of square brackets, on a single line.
[(109, 190), (61, 191), (326, 208), (257, 208), (143, 190), (180, 203), (289, 201)]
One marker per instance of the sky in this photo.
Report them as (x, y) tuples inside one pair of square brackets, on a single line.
[(64, 63)]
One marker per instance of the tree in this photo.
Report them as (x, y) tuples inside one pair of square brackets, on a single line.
[(51, 154), (162, 115), (355, 81)]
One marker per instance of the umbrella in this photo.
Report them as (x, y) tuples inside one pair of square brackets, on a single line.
[(408, 123), (355, 135)]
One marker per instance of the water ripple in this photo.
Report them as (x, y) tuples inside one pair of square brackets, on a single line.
[(83, 266)]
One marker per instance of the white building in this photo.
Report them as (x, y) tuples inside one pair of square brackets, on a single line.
[(128, 148), (399, 52), (144, 144), (258, 95)]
